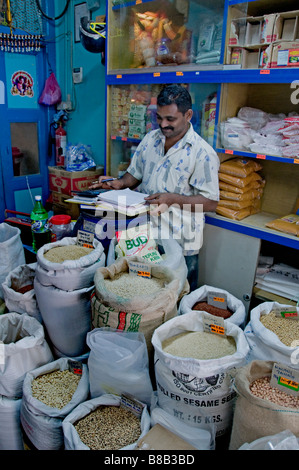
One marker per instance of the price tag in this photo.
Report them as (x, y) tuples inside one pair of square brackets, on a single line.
[(130, 403), (140, 269), (296, 160), (229, 151), (75, 367), (156, 74), (287, 312), (119, 76), (85, 239), (285, 379), (265, 72), (217, 299), (262, 157), (214, 325), (179, 74)]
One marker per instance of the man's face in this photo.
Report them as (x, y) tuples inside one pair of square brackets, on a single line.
[(172, 122)]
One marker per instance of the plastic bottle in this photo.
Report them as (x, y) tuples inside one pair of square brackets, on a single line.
[(39, 225), (60, 226), (211, 119)]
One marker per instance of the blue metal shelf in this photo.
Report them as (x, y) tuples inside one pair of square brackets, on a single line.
[(258, 156)]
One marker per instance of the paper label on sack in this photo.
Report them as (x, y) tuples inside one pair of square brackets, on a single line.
[(75, 367), (285, 379), (217, 299), (130, 403), (137, 268), (287, 312), (213, 324), (85, 239)]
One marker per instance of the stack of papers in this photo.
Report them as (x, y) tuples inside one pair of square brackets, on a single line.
[(124, 201), (280, 279)]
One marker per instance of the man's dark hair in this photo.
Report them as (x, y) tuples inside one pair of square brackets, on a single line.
[(176, 94)]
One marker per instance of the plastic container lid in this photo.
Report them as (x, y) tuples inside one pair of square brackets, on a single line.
[(60, 219)]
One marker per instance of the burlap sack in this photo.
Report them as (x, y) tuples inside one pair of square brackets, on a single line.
[(255, 417), (140, 313)]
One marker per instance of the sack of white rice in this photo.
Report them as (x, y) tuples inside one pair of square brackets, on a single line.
[(50, 393), (125, 301), (260, 409), (66, 316), (22, 348), (202, 299), (11, 436), (273, 333), (68, 266), (18, 291), (105, 423), (192, 369)]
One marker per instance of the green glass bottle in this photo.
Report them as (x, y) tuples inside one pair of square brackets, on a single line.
[(40, 230)]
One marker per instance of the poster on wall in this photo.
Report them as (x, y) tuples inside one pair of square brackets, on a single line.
[(21, 81)]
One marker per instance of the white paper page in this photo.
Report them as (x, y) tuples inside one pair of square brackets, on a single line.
[(124, 197)]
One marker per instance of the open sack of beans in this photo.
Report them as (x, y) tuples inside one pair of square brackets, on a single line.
[(192, 369), (68, 266), (137, 241), (126, 301), (50, 393), (260, 409), (18, 291), (102, 423), (272, 333), (118, 363), (199, 300), (24, 348)]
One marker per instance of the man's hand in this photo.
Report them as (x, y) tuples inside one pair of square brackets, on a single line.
[(114, 183), (160, 202)]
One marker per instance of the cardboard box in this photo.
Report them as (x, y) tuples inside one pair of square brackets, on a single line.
[(285, 54), (65, 182), (159, 438), (60, 206)]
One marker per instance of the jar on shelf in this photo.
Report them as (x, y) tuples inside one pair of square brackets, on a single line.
[(60, 226)]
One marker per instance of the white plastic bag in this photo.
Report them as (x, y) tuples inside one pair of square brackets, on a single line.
[(43, 423), (200, 294), (118, 364), (72, 440), (264, 344), (284, 440), (11, 251), (15, 300), (25, 348), (11, 437)]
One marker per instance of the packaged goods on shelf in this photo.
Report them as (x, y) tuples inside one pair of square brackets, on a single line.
[(287, 224), (255, 416), (280, 279)]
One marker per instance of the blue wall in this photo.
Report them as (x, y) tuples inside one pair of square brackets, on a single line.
[(87, 122)]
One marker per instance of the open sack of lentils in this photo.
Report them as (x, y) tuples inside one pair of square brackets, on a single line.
[(262, 409)]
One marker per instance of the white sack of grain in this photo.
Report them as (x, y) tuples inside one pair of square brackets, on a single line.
[(11, 437), (118, 364), (200, 295), (201, 439), (172, 258), (24, 348), (255, 417), (66, 316), (42, 423), (284, 440), (15, 299), (186, 385), (70, 274), (143, 312), (265, 344), (11, 251), (72, 440)]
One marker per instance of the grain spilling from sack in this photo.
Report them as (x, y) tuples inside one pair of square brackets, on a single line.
[(128, 286), (56, 388), (261, 388), (199, 345), (286, 329), (108, 428), (218, 312), (58, 254)]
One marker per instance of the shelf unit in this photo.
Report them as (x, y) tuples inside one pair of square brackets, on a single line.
[(235, 87)]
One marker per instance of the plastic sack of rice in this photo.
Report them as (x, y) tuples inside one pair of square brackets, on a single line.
[(11, 436), (192, 368), (18, 291), (105, 423), (203, 299), (50, 393), (118, 363), (126, 301), (273, 333), (261, 409), (67, 265), (23, 347)]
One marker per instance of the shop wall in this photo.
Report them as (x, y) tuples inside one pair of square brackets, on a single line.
[(86, 122)]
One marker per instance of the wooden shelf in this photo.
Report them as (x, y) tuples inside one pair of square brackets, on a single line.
[(269, 297)]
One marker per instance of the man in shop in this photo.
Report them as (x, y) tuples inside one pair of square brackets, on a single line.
[(179, 171)]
